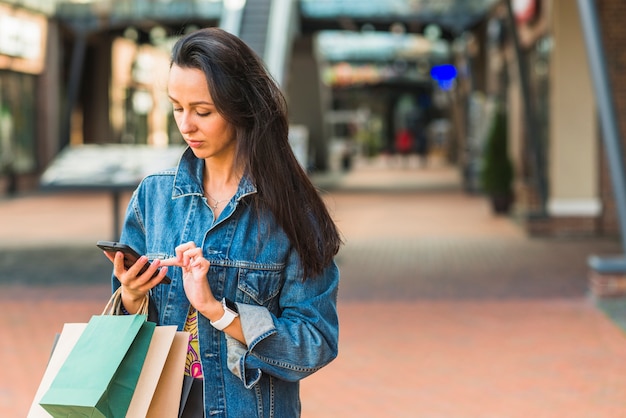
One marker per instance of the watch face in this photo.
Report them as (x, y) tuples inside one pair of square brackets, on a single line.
[(231, 305)]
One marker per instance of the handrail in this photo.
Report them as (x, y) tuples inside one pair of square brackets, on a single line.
[(280, 34), (610, 131), (232, 12)]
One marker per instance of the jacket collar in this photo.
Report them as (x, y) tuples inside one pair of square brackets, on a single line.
[(188, 178)]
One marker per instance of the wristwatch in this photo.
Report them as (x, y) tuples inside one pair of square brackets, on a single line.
[(230, 313)]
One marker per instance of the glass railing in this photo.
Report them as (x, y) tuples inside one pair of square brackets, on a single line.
[(211, 9), (355, 8), (379, 46), (139, 9), (458, 9)]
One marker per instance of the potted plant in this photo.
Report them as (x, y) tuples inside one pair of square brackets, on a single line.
[(497, 170)]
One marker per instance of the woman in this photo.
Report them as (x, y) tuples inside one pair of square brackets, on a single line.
[(250, 240)]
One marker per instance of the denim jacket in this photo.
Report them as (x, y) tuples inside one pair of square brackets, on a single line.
[(290, 324)]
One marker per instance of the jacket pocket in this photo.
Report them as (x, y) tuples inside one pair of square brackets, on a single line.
[(258, 286)]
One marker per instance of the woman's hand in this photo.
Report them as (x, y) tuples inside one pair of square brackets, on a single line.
[(195, 268), (136, 285), (196, 284)]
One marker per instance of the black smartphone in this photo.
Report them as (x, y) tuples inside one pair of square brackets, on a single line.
[(130, 256)]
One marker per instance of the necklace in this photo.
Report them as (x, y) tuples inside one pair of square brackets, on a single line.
[(217, 202)]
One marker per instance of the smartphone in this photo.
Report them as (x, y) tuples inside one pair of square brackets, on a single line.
[(130, 256)]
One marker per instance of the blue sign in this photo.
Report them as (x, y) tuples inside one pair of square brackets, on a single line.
[(444, 75)]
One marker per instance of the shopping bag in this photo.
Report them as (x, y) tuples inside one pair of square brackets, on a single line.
[(99, 376), (64, 344), (158, 389), (160, 383), (166, 399), (115, 307)]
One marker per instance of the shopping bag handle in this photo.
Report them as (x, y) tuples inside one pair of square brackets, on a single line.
[(114, 305)]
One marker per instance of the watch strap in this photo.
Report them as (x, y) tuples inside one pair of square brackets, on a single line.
[(226, 319)]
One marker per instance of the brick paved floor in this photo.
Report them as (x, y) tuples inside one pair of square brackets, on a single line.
[(446, 311), (494, 359)]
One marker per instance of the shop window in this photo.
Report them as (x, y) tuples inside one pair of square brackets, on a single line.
[(17, 123)]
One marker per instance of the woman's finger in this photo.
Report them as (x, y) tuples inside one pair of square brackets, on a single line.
[(135, 269), (181, 259), (110, 256), (158, 278), (192, 253), (153, 269), (186, 254), (184, 247), (170, 262), (118, 267)]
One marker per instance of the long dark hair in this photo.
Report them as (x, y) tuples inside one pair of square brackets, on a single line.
[(248, 98)]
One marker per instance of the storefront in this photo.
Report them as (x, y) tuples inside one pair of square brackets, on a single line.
[(22, 53), (539, 73)]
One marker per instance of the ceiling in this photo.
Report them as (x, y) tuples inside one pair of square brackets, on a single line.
[(451, 16), (388, 30)]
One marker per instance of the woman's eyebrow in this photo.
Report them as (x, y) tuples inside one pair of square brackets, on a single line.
[(197, 103)]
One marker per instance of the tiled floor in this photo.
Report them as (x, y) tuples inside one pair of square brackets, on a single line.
[(446, 311)]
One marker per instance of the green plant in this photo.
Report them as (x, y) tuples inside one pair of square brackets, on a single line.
[(497, 170)]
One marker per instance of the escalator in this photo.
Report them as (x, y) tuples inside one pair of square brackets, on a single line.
[(268, 27), (254, 24)]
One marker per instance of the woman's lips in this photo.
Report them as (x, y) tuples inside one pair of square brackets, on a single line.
[(194, 144)]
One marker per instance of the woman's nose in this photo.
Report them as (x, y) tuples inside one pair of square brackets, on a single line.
[(186, 124)]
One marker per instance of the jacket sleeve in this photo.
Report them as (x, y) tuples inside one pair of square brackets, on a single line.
[(298, 342), (133, 232)]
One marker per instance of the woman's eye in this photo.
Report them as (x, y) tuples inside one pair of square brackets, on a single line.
[(203, 114), (178, 109)]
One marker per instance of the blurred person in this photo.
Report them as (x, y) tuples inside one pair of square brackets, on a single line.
[(404, 145), (248, 241), (421, 142), (416, 121)]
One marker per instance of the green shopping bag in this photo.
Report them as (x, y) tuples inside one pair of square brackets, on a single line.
[(99, 376)]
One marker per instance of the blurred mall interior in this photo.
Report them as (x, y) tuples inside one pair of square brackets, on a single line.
[(356, 74)]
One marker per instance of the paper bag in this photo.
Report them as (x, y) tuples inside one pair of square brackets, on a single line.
[(65, 343), (166, 399), (99, 376), (158, 389)]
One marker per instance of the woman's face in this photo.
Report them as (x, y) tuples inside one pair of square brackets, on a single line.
[(203, 128)]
